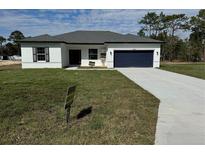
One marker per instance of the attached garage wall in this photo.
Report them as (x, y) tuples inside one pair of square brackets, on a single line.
[(135, 47)]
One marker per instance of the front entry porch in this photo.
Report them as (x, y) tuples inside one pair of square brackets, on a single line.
[(84, 56)]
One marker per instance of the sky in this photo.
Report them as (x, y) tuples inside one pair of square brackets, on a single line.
[(37, 22)]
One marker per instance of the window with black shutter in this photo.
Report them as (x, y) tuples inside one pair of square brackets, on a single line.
[(41, 54)]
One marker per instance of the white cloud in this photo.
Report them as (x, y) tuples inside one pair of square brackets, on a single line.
[(35, 22)]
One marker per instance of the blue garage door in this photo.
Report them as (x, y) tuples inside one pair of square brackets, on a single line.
[(133, 58)]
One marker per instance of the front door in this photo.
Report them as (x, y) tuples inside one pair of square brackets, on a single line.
[(75, 57)]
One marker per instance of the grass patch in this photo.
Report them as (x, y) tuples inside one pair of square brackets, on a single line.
[(32, 108), (195, 70)]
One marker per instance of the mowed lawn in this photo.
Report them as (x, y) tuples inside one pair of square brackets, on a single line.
[(195, 70), (32, 108)]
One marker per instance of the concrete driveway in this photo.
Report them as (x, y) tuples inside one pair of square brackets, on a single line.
[(181, 117)]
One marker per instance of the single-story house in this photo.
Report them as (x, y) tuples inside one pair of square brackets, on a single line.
[(85, 48)]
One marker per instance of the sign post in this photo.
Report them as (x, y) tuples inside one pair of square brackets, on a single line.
[(69, 101), (203, 42)]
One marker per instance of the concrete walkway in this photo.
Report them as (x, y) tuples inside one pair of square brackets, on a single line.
[(88, 69), (181, 117)]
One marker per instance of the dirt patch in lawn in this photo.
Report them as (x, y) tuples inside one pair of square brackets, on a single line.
[(9, 62)]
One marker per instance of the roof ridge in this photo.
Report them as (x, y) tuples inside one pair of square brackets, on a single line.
[(87, 31)]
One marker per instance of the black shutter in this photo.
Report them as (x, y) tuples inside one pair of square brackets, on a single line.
[(47, 54), (34, 55)]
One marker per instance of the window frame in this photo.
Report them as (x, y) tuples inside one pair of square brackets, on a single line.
[(37, 54), (92, 54)]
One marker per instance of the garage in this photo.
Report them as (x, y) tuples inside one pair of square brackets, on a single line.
[(133, 58)]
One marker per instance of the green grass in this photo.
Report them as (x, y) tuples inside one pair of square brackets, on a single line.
[(32, 108), (195, 70)]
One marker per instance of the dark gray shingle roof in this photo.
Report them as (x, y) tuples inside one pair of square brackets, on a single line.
[(91, 37), (40, 38)]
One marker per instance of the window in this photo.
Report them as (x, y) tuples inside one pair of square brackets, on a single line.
[(40, 54), (93, 53)]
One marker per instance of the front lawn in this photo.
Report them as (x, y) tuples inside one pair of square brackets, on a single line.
[(195, 70), (32, 108)]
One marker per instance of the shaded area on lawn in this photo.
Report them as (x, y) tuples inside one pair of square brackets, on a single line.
[(194, 69), (32, 108), (84, 112)]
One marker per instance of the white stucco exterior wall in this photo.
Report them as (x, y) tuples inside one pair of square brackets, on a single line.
[(54, 55), (85, 53), (144, 46), (59, 54), (64, 55)]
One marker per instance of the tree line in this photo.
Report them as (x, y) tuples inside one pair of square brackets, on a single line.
[(9, 46), (157, 26), (165, 27)]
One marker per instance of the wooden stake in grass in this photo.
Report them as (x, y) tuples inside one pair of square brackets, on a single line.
[(203, 43), (69, 101)]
